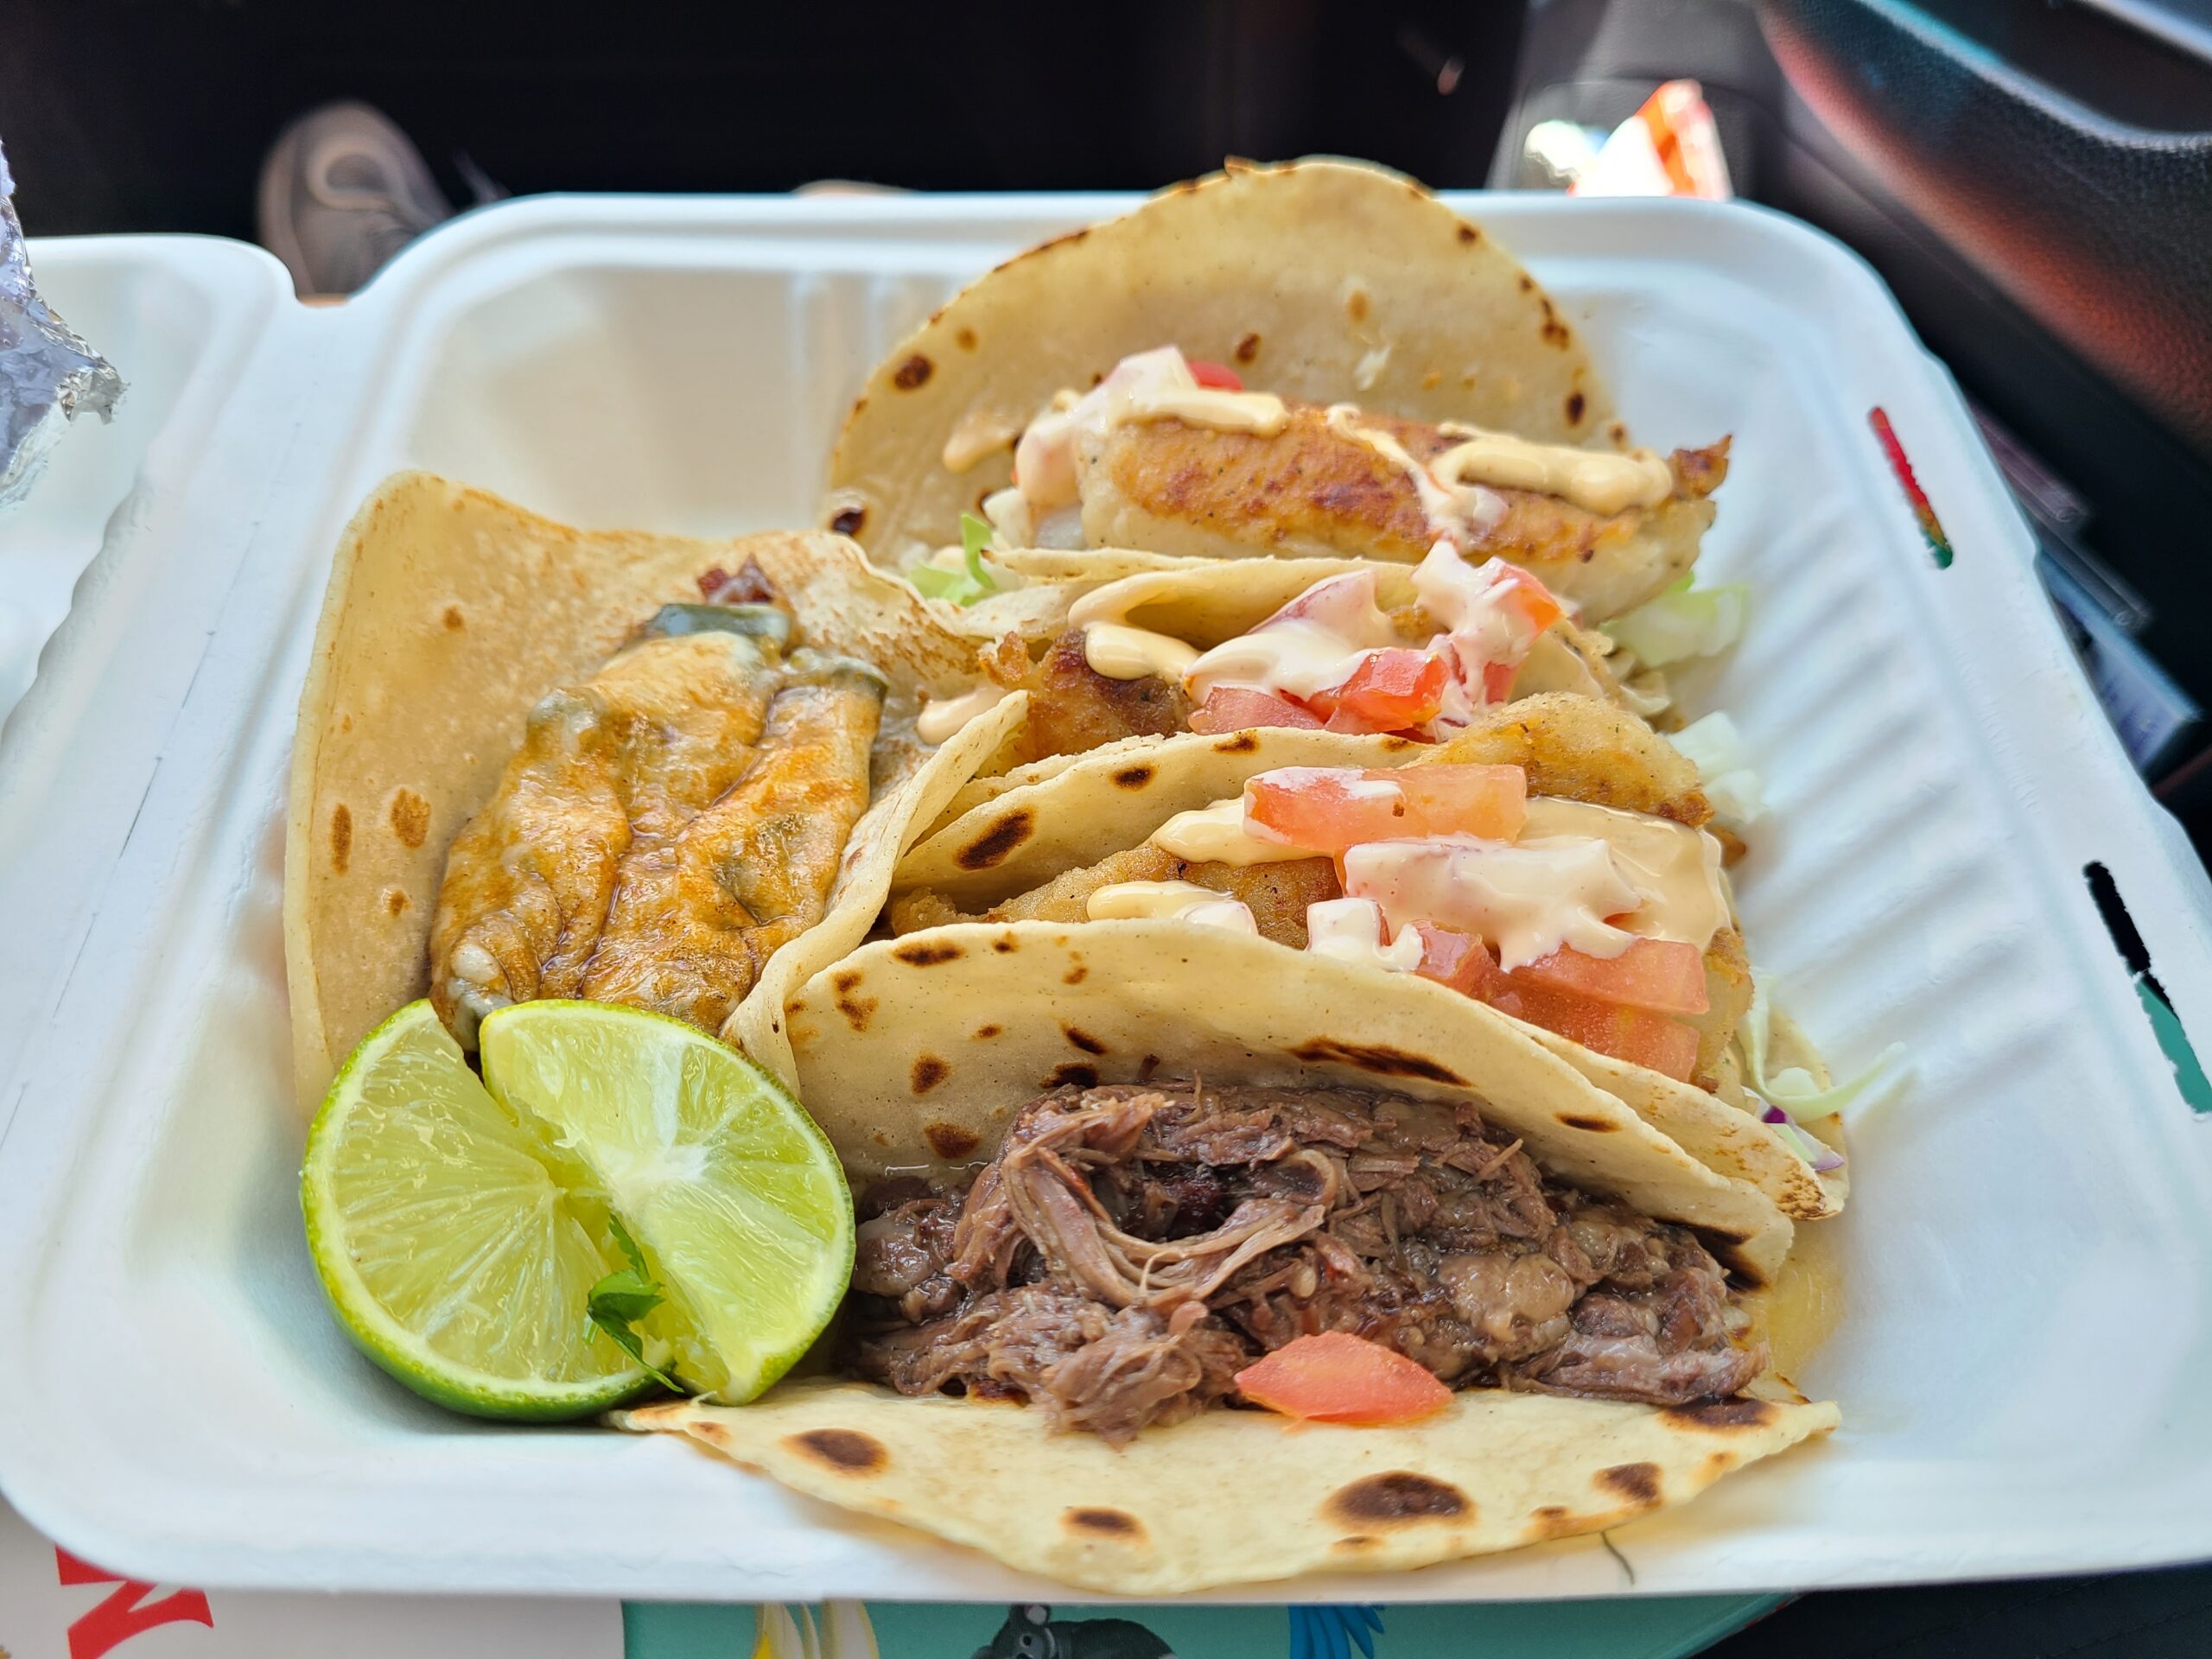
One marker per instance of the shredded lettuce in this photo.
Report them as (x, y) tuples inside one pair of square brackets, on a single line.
[(1793, 1088), (960, 587), (1714, 746), (1682, 622)]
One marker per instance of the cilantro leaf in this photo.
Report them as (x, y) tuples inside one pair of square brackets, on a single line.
[(616, 1302)]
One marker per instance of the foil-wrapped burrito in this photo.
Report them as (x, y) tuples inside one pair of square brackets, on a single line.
[(49, 376)]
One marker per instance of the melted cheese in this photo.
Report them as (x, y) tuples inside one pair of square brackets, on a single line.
[(1218, 835), (1120, 652), (1528, 900), (1351, 930), (939, 719), (1598, 481), (1677, 869), (1173, 901)]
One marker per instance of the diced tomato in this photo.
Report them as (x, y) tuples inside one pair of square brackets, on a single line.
[(1389, 691), (1637, 1036), (1327, 809), (1523, 595), (1666, 975), (1237, 708), (1497, 681), (1336, 1377), (1215, 374), (1460, 961)]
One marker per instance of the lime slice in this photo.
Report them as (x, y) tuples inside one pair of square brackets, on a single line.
[(733, 1194), (456, 1251)]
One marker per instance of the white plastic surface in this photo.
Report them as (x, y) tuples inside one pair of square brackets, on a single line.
[(2020, 1362)]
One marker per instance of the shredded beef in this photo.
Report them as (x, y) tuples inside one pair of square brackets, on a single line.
[(1129, 1249)]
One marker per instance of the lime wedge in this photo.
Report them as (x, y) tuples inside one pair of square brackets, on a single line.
[(454, 1249), (734, 1195)]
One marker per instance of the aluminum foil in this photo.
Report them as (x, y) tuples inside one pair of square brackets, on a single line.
[(48, 375)]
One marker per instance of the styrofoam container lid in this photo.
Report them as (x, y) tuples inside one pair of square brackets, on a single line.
[(2019, 1362)]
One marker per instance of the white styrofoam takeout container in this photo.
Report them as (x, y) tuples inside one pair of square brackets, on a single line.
[(2026, 1254)]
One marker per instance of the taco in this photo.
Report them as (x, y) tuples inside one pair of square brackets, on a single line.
[(1544, 873), (1408, 384), (534, 761), (1482, 1304)]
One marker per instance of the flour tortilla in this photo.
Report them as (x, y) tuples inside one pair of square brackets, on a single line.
[(1322, 280), (449, 613), (1239, 1496), (1068, 812)]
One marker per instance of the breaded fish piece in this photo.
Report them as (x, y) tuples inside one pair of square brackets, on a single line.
[(1312, 490), (1074, 709), (1276, 894)]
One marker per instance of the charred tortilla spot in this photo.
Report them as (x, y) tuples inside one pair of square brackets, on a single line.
[(1398, 1497), (395, 902), (1556, 333), (1589, 1125), (984, 1034), (1718, 1464), (410, 816), (453, 619), (1378, 1059), (1721, 1416), (1006, 945), (1133, 777), (1636, 1482), (1072, 1075), (1147, 1067), (929, 1071), (857, 1010), (847, 521), (1469, 233), (1574, 406), (914, 372), (1356, 305), (1083, 1039), (1242, 743), (1248, 347), (341, 837), (997, 843), (1076, 975), (1528, 283), (1553, 1522), (950, 1141), (1107, 1523), (927, 953), (847, 1451), (965, 339)]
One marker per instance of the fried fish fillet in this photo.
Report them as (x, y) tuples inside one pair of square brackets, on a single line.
[(1313, 489), (664, 827)]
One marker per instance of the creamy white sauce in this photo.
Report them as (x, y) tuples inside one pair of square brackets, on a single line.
[(1260, 413), (1351, 930), (1527, 899), (1674, 868), (1313, 644), (1459, 510), (1176, 901), (1597, 480), (1219, 835), (939, 719), (1120, 652)]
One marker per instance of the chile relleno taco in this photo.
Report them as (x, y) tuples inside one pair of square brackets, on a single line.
[(539, 762)]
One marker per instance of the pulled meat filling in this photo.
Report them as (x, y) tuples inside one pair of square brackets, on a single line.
[(1130, 1250)]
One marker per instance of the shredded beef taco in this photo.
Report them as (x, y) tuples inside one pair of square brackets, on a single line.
[(1544, 875), (1141, 1225), (540, 762), (1313, 359)]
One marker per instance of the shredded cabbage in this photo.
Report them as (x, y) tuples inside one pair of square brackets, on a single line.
[(1714, 746), (1682, 622), (1793, 1088), (960, 587)]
